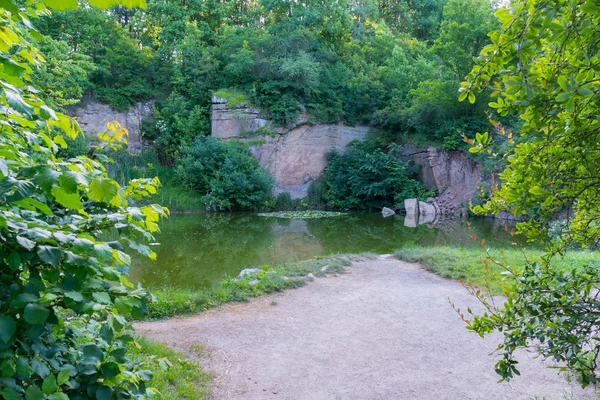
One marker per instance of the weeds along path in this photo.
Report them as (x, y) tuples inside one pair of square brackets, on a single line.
[(383, 330)]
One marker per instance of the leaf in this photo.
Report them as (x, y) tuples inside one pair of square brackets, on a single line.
[(35, 314), (40, 368), (59, 140), (63, 377), (471, 97), (68, 200), (16, 102), (26, 243), (3, 167), (49, 384), (104, 393), (50, 255), (93, 352), (46, 178), (7, 328), (34, 393), (58, 396), (561, 98), (102, 190), (75, 296)]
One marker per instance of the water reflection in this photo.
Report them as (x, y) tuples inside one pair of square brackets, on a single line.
[(198, 250)]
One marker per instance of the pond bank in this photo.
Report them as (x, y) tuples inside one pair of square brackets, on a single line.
[(382, 330)]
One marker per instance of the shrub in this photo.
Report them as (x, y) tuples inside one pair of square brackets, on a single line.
[(369, 177), (226, 174)]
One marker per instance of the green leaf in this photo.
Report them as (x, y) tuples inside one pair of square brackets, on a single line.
[(104, 393), (35, 314), (63, 377), (50, 255), (49, 384), (75, 296), (58, 396), (101, 297), (563, 97), (26, 243), (93, 352), (16, 102), (3, 167), (7, 328), (46, 178), (68, 200), (34, 393), (102, 190), (40, 368), (471, 97), (23, 299)]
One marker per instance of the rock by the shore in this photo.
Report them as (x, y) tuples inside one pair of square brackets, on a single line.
[(245, 272), (387, 212)]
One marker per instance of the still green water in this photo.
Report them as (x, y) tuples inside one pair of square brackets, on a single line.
[(199, 250)]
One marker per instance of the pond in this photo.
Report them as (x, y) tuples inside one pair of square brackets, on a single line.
[(199, 250)]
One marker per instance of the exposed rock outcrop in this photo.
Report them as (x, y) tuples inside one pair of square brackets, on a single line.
[(295, 155), (453, 173), (298, 157), (93, 117)]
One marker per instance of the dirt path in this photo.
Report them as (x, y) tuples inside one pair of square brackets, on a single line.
[(384, 330)]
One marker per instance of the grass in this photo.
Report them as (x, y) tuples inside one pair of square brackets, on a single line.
[(234, 97), (178, 199), (170, 302), (174, 376), (302, 214), (469, 264)]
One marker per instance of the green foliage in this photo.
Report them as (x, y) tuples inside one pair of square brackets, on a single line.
[(367, 177), (227, 175), (174, 376), (64, 77), (542, 64), (63, 291), (234, 98)]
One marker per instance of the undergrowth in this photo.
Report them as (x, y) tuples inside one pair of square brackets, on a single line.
[(168, 302), (174, 376)]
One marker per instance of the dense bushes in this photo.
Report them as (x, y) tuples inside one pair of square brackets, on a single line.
[(225, 173), (369, 177)]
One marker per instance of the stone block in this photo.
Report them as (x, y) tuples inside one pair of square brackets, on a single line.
[(411, 206)]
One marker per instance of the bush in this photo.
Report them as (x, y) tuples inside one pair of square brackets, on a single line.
[(226, 174), (368, 177)]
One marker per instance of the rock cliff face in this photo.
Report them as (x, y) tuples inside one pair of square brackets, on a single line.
[(93, 117), (454, 175), (294, 155)]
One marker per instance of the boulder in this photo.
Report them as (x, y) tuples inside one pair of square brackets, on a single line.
[(411, 206), (387, 212), (426, 209), (245, 272)]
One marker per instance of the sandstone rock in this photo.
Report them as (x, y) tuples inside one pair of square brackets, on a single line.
[(411, 206), (296, 158), (426, 209), (387, 212), (254, 282), (310, 277), (93, 117), (324, 268), (245, 272)]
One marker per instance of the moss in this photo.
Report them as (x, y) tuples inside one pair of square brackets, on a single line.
[(174, 376)]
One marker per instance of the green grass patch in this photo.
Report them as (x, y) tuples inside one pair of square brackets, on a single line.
[(302, 214), (234, 97), (174, 376), (169, 302), (469, 264)]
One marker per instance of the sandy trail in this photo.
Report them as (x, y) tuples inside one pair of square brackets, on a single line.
[(383, 330)]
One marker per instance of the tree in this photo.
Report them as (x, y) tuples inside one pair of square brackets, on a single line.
[(64, 297), (544, 63)]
